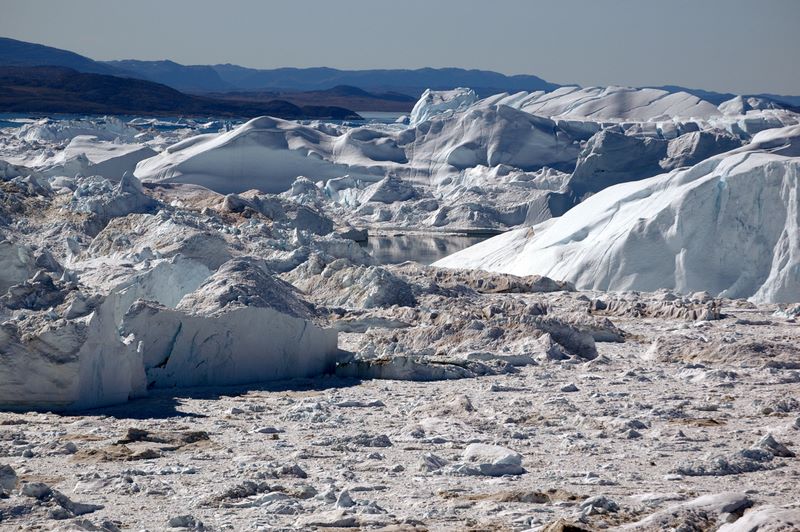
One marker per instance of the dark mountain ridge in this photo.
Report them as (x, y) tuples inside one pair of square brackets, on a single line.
[(404, 81), (20, 53), (49, 89), (341, 96)]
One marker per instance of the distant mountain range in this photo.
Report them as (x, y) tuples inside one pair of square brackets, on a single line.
[(52, 89), (322, 86), (221, 78), (20, 53), (341, 95), (229, 78)]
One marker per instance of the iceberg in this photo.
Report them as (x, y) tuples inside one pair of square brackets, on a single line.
[(269, 154), (240, 326), (265, 154), (175, 325), (433, 103), (88, 156), (729, 225), (609, 103)]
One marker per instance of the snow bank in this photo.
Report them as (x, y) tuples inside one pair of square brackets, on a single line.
[(729, 225)]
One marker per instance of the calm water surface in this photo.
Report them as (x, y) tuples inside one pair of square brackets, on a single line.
[(425, 249), (381, 117)]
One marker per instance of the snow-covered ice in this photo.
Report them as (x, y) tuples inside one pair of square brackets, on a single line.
[(198, 297)]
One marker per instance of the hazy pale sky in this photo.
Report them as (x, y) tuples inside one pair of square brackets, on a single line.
[(743, 46)]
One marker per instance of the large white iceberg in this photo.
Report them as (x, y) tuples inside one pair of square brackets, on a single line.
[(87, 155), (609, 103), (241, 325), (449, 133), (729, 225), (265, 154), (68, 363)]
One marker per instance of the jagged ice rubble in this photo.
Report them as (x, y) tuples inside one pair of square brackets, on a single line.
[(193, 334)]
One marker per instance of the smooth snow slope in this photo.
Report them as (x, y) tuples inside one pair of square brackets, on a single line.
[(729, 225), (609, 103), (265, 153)]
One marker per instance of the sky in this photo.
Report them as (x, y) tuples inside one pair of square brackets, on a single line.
[(741, 46)]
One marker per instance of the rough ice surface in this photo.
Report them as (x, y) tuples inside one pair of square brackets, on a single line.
[(147, 301), (489, 460), (433, 103), (704, 511), (16, 264), (254, 366), (767, 518)]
